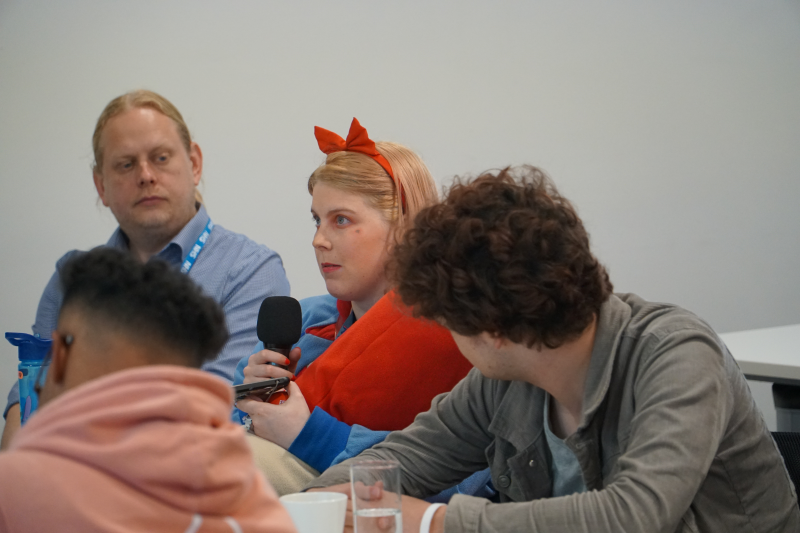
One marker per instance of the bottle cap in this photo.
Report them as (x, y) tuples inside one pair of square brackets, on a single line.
[(30, 348)]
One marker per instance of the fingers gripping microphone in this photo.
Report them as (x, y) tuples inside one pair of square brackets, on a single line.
[(280, 323)]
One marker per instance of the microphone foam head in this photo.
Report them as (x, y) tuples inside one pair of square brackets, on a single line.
[(280, 321)]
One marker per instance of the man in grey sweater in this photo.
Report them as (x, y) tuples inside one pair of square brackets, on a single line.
[(595, 411)]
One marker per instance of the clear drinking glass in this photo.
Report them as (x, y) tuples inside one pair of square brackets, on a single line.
[(375, 487)]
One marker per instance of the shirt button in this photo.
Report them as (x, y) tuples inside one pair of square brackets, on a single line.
[(532, 463), (504, 481)]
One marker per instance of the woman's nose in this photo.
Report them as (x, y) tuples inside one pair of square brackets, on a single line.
[(320, 239)]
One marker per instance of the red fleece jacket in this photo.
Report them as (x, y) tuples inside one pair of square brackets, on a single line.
[(384, 370)]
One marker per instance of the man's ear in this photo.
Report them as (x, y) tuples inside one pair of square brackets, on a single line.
[(58, 362), (494, 340), (100, 186), (196, 157), (499, 342), (56, 373)]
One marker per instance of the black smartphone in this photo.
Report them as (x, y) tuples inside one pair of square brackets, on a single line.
[(260, 389)]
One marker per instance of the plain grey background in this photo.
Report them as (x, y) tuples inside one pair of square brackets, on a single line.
[(673, 126)]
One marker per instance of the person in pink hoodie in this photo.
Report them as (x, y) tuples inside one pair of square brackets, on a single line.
[(131, 435)]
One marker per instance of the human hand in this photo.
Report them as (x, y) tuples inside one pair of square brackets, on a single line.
[(259, 369), (282, 423)]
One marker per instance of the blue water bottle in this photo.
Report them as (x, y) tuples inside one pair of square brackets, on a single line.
[(32, 351)]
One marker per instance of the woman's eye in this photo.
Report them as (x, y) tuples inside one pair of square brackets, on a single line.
[(341, 220), (316, 220)]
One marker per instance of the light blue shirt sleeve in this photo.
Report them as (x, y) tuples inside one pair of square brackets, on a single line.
[(257, 274), (13, 398), (50, 303), (478, 484), (359, 440)]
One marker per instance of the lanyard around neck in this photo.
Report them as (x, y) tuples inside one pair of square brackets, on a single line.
[(188, 263)]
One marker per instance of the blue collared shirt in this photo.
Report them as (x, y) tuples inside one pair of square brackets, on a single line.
[(237, 272)]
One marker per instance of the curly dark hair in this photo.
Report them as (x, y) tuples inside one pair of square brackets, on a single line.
[(506, 254), (150, 301)]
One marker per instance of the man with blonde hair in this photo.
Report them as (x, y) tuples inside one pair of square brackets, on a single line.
[(146, 171)]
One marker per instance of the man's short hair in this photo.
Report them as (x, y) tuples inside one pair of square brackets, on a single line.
[(506, 254), (150, 301)]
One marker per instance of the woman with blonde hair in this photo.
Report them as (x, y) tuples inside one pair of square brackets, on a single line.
[(374, 367)]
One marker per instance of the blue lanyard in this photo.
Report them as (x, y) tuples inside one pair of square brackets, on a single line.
[(188, 263)]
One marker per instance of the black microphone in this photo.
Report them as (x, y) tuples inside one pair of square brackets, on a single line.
[(280, 323)]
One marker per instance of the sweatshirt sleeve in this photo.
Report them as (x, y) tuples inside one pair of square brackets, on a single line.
[(322, 439), (325, 441)]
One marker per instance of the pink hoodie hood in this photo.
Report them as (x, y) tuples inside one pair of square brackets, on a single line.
[(164, 432)]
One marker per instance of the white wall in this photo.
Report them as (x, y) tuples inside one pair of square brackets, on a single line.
[(674, 126)]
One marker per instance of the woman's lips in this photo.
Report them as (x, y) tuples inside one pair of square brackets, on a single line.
[(329, 267)]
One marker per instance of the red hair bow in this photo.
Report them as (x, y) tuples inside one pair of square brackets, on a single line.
[(357, 141)]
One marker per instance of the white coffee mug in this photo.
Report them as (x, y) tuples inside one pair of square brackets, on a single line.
[(316, 512)]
